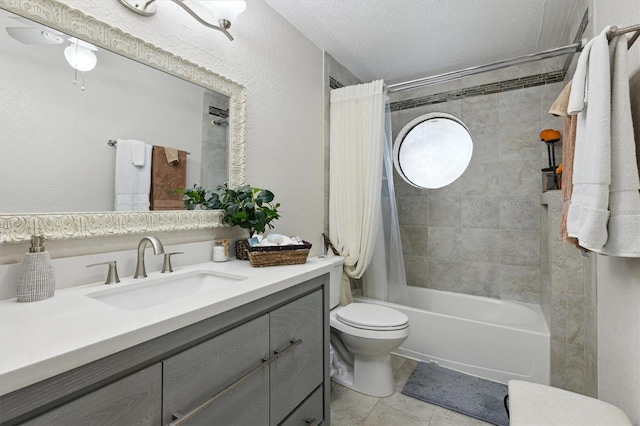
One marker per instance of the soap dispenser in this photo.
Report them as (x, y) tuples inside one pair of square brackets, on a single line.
[(36, 280)]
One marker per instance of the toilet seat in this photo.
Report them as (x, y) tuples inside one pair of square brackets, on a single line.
[(368, 316)]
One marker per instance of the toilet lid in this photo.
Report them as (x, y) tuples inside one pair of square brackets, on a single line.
[(372, 317)]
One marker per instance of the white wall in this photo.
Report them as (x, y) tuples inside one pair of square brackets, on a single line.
[(283, 74), (619, 278), (619, 334), (43, 112)]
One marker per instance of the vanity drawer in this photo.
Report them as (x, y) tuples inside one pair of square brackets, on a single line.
[(133, 400), (195, 376), (298, 371), (309, 413)]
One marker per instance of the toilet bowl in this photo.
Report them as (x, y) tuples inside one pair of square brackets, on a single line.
[(368, 333), (363, 336)]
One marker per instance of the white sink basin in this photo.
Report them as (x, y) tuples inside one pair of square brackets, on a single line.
[(164, 289)]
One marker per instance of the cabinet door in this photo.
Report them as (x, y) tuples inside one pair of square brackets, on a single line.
[(309, 413), (195, 376), (133, 400), (298, 371)]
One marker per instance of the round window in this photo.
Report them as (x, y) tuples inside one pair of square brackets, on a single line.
[(433, 150)]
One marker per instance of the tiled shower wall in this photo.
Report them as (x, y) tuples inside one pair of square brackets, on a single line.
[(214, 140), (568, 297), (481, 234), (487, 233)]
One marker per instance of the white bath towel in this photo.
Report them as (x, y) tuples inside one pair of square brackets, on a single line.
[(138, 152), (133, 182), (590, 99), (578, 92), (624, 198)]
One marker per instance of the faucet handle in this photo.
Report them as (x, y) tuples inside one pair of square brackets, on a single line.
[(112, 274), (166, 266)]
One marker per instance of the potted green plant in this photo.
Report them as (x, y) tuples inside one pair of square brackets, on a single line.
[(247, 207), (198, 197)]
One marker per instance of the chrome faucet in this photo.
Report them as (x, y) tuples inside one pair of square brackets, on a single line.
[(141, 271)]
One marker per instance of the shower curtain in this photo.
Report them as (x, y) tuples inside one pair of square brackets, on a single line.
[(363, 219), (355, 170), (386, 279)]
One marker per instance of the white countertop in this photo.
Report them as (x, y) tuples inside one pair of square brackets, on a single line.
[(42, 339)]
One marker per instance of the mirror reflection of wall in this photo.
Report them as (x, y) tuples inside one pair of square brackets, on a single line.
[(54, 155), (215, 128)]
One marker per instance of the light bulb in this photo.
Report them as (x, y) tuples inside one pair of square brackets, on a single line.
[(80, 55)]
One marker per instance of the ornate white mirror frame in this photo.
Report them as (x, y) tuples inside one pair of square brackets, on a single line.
[(55, 226)]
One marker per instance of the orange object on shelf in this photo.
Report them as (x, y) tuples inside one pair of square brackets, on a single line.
[(550, 135)]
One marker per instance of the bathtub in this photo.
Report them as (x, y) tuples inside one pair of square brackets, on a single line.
[(494, 339)]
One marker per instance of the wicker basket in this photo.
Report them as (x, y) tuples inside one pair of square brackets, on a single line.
[(241, 249), (279, 255)]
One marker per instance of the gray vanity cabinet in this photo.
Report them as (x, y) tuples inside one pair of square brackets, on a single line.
[(309, 413), (133, 400), (192, 378), (297, 372), (262, 363), (254, 374)]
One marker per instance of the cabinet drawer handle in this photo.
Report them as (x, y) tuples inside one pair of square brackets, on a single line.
[(293, 344), (180, 419), (311, 422)]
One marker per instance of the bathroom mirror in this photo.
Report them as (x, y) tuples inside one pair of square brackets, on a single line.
[(432, 150), (56, 224)]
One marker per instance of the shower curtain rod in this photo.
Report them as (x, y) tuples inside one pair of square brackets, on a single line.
[(550, 53), (454, 75)]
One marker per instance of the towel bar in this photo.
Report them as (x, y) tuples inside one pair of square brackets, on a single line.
[(113, 142)]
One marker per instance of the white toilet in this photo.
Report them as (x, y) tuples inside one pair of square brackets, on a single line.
[(363, 336)]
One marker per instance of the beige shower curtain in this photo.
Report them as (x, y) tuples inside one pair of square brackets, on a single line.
[(356, 151)]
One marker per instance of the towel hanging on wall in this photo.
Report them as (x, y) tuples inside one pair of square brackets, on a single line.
[(559, 109), (132, 181), (604, 213), (168, 172), (624, 196)]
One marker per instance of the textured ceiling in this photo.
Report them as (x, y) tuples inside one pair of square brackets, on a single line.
[(401, 39)]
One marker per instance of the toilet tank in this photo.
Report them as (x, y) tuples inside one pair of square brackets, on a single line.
[(335, 281)]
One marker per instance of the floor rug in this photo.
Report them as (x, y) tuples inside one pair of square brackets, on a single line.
[(469, 395)]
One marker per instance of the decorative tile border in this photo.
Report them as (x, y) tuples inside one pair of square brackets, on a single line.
[(483, 89), (334, 84), (579, 33), (218, 112)]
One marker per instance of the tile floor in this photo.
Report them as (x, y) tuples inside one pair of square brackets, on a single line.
[(350, 408)]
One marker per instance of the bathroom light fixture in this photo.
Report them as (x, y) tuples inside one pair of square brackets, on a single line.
[(226, 11), (34, 33), (80, 55)]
